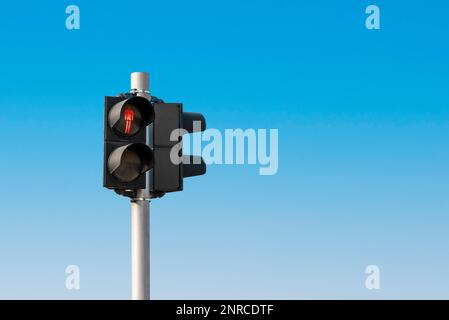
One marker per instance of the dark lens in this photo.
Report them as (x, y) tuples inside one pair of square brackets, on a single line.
[(130, 167)]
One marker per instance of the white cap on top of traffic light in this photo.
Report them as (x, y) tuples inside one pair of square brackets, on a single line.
[(140, 83)]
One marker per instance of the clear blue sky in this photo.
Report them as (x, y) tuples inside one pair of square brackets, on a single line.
[(363, 119)]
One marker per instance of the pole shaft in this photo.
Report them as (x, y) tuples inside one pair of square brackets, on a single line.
[(140, 251)]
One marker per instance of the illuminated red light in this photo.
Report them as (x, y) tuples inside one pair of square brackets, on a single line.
[(129, 117)]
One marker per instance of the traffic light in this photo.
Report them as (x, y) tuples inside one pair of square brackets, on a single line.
[(127, 156), (168, 174), (143, 159), (131, 150)]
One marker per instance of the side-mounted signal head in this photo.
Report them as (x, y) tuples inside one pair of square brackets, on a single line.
[(168, 175), (129, 117)]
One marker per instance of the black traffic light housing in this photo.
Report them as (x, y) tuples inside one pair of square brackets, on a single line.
[(126, 155), (168, 176)]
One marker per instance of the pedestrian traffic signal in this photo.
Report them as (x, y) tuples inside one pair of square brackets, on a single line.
[(145, 135), (127, 156)]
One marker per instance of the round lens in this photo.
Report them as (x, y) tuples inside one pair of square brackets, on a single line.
[(130, 167), (130, 122)]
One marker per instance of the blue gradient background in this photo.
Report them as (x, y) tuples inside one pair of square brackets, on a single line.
[(363, 119)]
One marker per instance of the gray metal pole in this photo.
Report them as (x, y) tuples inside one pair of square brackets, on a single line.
[(140, 252), (140, 217)]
